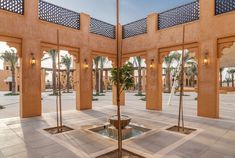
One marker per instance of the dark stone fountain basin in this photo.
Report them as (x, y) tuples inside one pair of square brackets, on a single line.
[(125, 120)]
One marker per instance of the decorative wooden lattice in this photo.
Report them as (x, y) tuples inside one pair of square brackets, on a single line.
[(224, 6), (180, 15), (15, 6), (102, 28), (58, 15), (134, 28)]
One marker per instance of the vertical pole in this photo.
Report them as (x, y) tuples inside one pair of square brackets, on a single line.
[(181, 116), (118, 84), (59, 94)]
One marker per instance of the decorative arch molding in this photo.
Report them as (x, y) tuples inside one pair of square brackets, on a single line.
[(223, 43), (46, 47), (13, 42), (192, 47)]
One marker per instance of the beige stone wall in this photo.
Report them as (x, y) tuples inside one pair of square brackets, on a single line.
[(3, 75)]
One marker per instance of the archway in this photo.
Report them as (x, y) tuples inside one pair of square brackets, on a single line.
[(10, 77), (49, 80), (101, 79), (227, 81), (171, 66)]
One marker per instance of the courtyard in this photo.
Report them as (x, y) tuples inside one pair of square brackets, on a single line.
[(117, 79), (20, 138)]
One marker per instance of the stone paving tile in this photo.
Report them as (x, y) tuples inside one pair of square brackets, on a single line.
[(63, 154), (13, 150), (155, 142), (213, 154), (49, 150), (191, 148), (224, 146), (1, 155), (27, 154)]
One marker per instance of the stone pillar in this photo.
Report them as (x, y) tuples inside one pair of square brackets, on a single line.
[(144, 80), (154, 81), (106, 80), (43, 78), (208, 75), (84, 68), (84, 85), (154, 73), (30, 99)]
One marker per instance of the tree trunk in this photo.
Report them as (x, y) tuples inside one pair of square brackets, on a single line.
[(139, 80), (221, 77), (233, 80), (97, 79), (13, 89), (168, 78), (68, 81), (54, 76), (101, 81)]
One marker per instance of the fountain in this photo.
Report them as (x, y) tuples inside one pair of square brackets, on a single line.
[(110, 129), (125, 120)]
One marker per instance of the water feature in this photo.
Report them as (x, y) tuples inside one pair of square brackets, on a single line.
[(111, 129)]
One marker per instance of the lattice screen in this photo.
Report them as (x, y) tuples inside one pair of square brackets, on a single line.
[(224, 6), (134, 28), (15, 6), (102, 28), (58, 15), (183, 14)]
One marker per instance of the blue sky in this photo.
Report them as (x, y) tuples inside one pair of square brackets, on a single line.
[(131, 10)]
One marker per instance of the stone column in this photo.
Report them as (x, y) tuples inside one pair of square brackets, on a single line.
[(84, 68), (43, 78), (144, 80), (30, 99), (84, 76), (106, 80), (154, 73), (208, 75), (154, 81)]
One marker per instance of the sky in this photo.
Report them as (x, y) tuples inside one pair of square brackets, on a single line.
[(130, 10)]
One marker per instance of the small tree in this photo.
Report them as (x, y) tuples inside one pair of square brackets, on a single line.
[(66, 61), (11, 57), (126, 81), (126, 77)]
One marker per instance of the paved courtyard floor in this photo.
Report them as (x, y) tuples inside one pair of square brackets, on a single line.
[(25, 138)]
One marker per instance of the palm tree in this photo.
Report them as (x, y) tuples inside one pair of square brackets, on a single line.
[(102, 62), (53, 56), (66, 61), (221, 76), (96, 61), (192, 71), (227, 80), (11, 57), (139, 62), (232, 72), (168, 62)]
